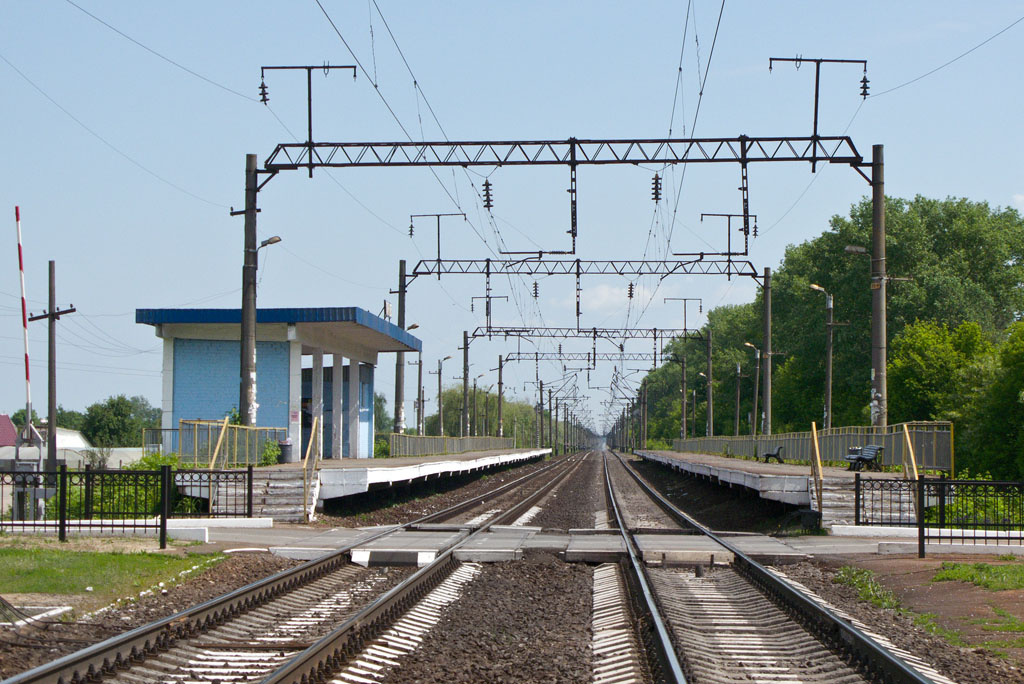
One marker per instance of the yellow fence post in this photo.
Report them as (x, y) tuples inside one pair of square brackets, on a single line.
[(816, 470), (220, 440)]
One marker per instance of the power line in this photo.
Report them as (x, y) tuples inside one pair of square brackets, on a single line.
[(107, 142), (955, 59), (161, 56)]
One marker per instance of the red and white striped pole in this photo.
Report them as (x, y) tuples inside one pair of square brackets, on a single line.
[(24, 323)]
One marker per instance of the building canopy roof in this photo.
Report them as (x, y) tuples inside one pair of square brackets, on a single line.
[(332, 329)]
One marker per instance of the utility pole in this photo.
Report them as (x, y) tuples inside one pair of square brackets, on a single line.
[(565, 430), (400, 356), (554, 435), (501, 390), (736, 427), (682, 413), (475, 428), (419, 394), (464, 427), (247, 383), (540, 417), (711, 411), (551, 421), (879, 385), (766, 352), (52, 315), (440, 399)]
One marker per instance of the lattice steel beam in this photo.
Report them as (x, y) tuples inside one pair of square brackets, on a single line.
[(588, 333), (574, 267), (572, 152), (579, 356)]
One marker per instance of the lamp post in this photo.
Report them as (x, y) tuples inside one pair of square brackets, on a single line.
[(827, 421), (757, 382), (440, 401), (247, 363)]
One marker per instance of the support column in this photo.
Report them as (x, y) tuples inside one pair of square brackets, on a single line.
[(551, 422), (682, 421), (710, 430), (352, 414), (827, 423), (247, 365), (317, 395), (419, 395), (337, 405), (464, 430), (879, 383), (766, 351), (501, 397), (400, 356)]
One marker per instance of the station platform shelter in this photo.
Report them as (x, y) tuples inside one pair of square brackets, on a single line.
[(201, 361)]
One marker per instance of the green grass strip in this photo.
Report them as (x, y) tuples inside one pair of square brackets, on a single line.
[(54, 571), (868, 588), (985, 575)]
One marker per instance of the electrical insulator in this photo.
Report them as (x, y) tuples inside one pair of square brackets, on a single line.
[(263, 92), (656, 188), (536, 290), (471, 305), (629, 291), (410, 228), (864, 86), (488, 198), (559, 350), (755, 230)]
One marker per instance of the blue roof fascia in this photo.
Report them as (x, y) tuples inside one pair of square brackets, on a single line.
[(338, 314)]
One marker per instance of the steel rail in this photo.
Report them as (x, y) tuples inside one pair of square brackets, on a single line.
[(663, 646), (331, 652), (829, 627), (119, 651)]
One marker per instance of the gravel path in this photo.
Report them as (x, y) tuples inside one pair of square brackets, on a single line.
[(574, 503), (524, 621)]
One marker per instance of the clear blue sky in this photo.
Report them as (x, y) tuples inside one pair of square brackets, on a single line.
[(126, 167)]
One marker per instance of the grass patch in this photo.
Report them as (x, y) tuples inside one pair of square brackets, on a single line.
[(984, 575), (926, 621), (868, 588), (111, 575)]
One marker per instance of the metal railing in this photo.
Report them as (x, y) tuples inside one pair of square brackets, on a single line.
[(954, 511), (415, 445), (309, 470), (213, 443), (117, 502), (930, 442)]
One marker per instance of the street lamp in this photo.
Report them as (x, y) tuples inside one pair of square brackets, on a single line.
[(827, 422), (707, 413), (247, 363), (440, 402), (757, 382)]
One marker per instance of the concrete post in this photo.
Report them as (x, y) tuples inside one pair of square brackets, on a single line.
[(682, 421), (464, 429), (400, 356), (317, 386), (766, 351), (710, 432), (354, 445), (879, 384), (337, 405), (827, 423), (501, 398), (247, 364)]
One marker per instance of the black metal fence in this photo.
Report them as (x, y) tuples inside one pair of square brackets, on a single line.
[(944, 510), (118, 502)]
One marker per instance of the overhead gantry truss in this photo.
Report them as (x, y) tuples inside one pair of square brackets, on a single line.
[(572, 152), (579, 356), (580, 267), (586, 333)]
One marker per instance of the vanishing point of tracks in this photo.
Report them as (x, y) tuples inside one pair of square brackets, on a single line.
[(329, 620)]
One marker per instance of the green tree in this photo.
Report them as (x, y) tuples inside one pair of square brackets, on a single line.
[(70, 419), (119, 421), (383, 421), (18, 418)]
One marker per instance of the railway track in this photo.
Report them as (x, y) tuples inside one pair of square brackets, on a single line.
[(742, 622), (299, 625)]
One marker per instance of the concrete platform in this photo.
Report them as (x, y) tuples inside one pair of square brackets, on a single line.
[(501, 543), (595, 548), (346, 476), (790, 484)]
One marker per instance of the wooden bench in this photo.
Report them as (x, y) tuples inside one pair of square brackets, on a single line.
[(775, 453), (865, 457)]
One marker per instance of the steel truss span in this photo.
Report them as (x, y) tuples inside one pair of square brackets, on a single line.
[(588, 333), (572, 152), (548, 267)]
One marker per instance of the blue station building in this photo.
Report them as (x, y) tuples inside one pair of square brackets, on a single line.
[(201, 352)]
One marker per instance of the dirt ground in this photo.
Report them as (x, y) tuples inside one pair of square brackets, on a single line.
[(960, 607)]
